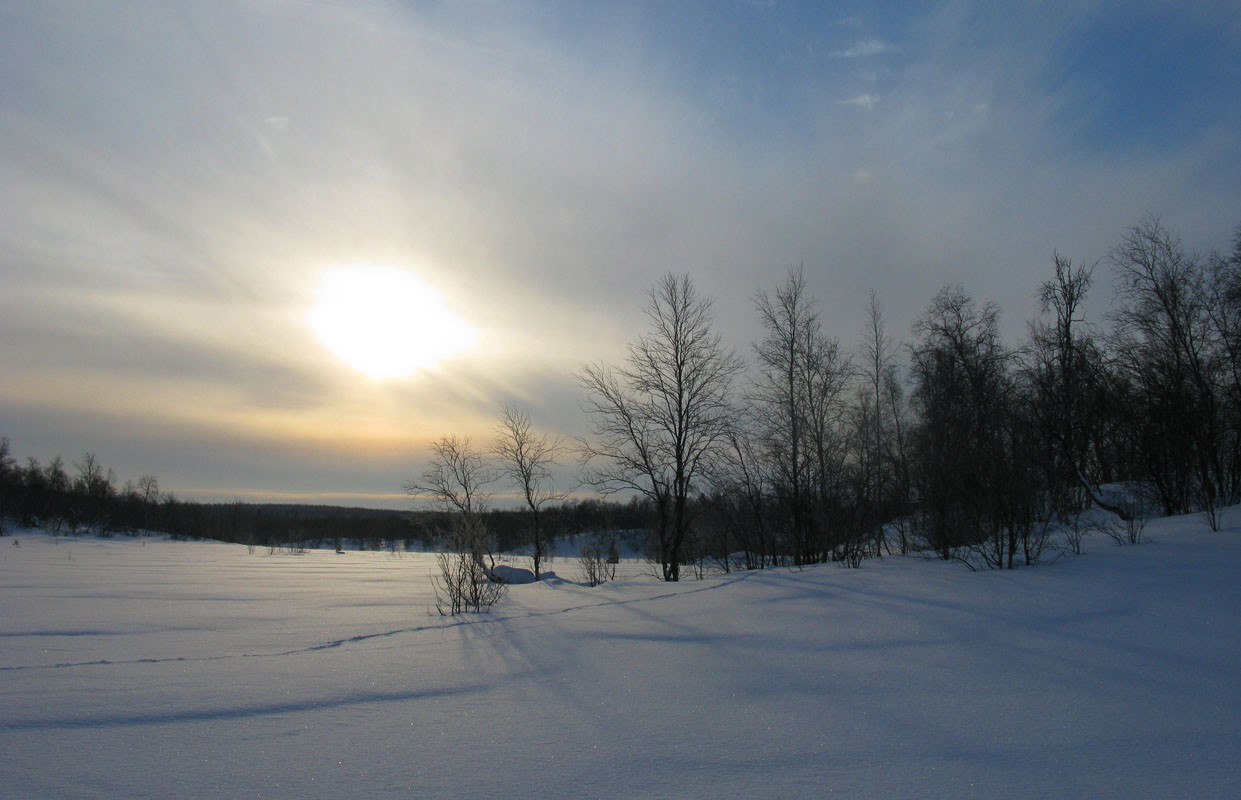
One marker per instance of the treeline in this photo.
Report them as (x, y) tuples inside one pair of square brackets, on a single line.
[(951, 442), (84, 498), (279, 525), (81, 497)]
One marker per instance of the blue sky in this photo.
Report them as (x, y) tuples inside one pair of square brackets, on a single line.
[(177, 178)]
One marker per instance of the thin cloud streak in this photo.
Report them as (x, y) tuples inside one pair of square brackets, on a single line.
[(867, 101), (867, 48)]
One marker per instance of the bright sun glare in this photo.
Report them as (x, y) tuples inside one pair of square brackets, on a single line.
[(384, 322)]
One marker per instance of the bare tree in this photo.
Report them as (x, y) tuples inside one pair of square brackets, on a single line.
[(526, 458), (791, 322), (1168, 348), (148, 493), (456, 480), (743, 495), (797, 399), (93, 489), (60, 502), (827, 371), (977, 494), (1225, 314), (660, 419), (9, 475), (1066, 373), (903, 480), (879, 436), (1061, 367)]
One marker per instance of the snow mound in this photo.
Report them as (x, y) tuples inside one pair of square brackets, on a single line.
[(503, 573)]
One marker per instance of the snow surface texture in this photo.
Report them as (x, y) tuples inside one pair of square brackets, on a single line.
[(174, 669)]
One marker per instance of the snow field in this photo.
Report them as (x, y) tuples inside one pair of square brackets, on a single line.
[(149, 668)]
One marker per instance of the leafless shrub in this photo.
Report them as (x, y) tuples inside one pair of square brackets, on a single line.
[(854, 551), (1135, 525), (463, 584), (1075, 530), (598, 560), (456, 479), (1130, 527)]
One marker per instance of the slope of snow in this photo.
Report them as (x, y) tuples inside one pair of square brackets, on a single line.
[(161, 669)]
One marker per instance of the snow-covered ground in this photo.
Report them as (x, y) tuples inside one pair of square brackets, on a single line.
[(149, 668)]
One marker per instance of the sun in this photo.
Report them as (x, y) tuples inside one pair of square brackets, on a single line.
[(384, 322)]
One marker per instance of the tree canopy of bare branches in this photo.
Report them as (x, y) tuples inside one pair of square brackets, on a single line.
[(797, 402), (526, 458), (1168, 348), (658, 420), (456, 479)]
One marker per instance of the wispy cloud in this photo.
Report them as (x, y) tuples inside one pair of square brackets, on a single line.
[(866, 48), (867, 101), (168, 213)]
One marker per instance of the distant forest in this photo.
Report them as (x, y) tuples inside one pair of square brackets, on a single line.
[(951, 442), (86, 499)]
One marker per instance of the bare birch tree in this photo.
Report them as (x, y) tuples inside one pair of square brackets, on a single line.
[(1166, 344), (658, 420), (879, 437), (526, 458), (798, 401)]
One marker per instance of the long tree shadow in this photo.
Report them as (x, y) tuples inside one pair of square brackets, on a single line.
[(238, 712)]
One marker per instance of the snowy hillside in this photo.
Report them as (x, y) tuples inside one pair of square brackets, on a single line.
[(135, 668)]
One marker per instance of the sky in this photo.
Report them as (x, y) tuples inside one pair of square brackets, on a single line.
[(189, 189)]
